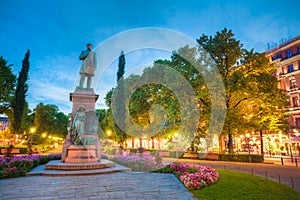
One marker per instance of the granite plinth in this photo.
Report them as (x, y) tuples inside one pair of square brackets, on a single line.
[(84, 97), (82, 154)]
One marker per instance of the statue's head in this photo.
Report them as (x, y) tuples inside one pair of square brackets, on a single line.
[(81, 108), (89, 46)]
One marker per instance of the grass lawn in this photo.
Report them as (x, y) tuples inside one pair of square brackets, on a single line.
[(236, 185)]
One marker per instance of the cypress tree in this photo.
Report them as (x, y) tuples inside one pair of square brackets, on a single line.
[(19, 100), (120, 104), (121, 66)]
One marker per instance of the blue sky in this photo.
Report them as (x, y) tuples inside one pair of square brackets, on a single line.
[(56, 31)]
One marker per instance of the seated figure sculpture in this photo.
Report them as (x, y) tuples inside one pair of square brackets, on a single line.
[(77, 134)]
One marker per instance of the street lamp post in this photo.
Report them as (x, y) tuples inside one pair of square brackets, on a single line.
[(32, 130), (108, 134), (248, 143), (176, 137)]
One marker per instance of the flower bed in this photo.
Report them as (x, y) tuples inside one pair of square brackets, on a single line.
[(193, 176), (19, 165), (137, 163)]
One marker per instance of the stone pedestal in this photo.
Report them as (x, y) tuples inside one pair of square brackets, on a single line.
[(85, 97), (89, 149), (82, 154)]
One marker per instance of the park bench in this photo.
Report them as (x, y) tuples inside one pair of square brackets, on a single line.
[(211, 157), (146, 153), (164, 154), (13, 151), (190, 155)]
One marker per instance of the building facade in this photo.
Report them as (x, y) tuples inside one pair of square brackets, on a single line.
[(286, 57)]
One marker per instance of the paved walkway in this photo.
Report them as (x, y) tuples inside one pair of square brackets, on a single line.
[(121, 185), (288, 175)]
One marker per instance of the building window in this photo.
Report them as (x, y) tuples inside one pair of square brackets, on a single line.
[(276, 57), (295, 102), (298, 122), (293, 84), (288, 53), (290, 68)]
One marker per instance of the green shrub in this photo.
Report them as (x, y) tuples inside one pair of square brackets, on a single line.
[(23, 149), (154, 151), (255, 158), (109, 150)]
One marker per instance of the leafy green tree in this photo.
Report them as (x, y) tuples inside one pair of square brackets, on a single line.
[(7, 85), (101, 113), (62, 122), (44, 119), (28, 119), (19, 101), (253, 101), (244, 84), (48, 119)]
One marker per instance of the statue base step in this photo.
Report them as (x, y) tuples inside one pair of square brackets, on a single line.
[(59, 168), (82, 154), (58, 165)]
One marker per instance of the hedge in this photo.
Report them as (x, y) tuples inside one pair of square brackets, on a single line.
[(23, 149), (255, 158), (154, 151)]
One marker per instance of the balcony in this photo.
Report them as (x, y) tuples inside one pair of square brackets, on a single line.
[(293, 90), (287, 61)]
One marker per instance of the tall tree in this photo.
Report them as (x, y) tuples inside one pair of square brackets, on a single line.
[(48, 119), (19, 101), (119, 103), (62, 122), (245, 83), (121, 66), (7, 85)]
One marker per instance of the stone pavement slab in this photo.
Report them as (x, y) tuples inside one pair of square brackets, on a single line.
[(121, 185)]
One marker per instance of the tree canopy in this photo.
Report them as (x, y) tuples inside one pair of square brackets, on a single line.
[(19, 101), (251, 98), (48, 119), (7, 86)]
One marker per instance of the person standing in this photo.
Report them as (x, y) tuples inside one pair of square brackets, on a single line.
[(88, 66)]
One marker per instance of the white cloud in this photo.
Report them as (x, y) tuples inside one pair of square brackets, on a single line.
[(51, 81)]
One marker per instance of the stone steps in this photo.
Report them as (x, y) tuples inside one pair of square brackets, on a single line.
[(59, 168)]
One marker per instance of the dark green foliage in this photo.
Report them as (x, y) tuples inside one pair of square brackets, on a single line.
[(23, 149), (47, 119), (7, 84), (19, 101), (253, 100), (61, 124), (255, 158), (121, 66), (153, 152)]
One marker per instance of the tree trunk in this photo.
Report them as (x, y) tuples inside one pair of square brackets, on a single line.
[(229, 144), (153, 143), (261, 142)]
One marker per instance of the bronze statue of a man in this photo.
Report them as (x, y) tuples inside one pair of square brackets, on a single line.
[(88, 66)]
